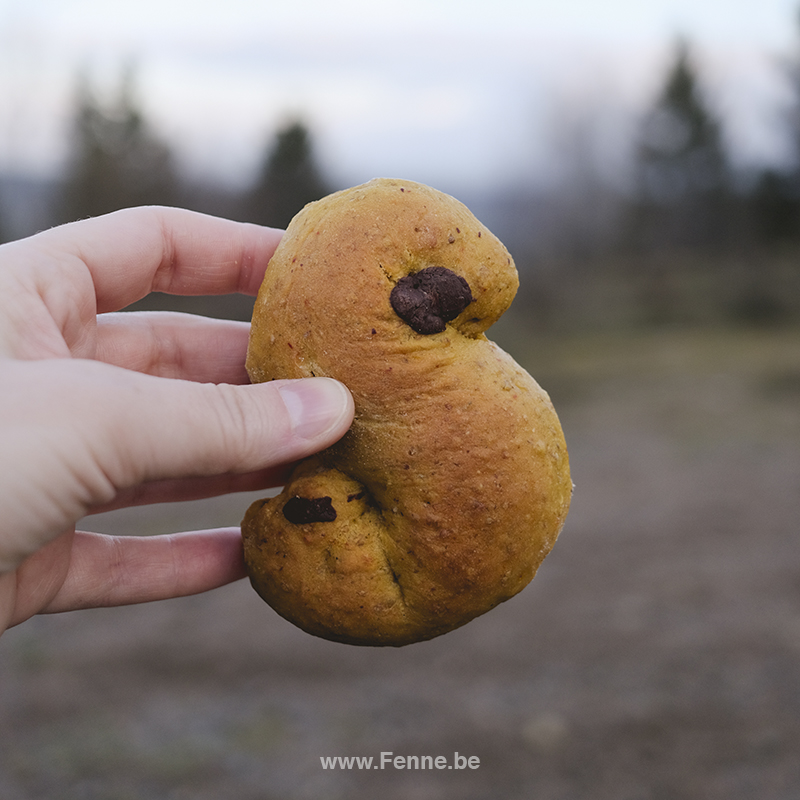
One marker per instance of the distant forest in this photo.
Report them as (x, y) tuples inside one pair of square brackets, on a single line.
[(692, 240)]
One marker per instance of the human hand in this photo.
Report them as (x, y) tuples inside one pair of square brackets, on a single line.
[(101, 410)]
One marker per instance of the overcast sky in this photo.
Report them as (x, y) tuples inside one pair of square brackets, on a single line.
[(445, 91)]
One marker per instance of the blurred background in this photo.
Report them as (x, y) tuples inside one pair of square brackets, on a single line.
[(642, 163)]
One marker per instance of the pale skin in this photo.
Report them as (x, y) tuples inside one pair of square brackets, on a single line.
[(100, 410)]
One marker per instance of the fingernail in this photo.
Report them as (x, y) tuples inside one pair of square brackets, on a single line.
[(315, 405)]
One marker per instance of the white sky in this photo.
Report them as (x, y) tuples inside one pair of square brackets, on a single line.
[(445, 91)]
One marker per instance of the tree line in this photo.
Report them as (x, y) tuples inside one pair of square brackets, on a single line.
[(686, 195), (691, 239), (685, 192), (118, 160)]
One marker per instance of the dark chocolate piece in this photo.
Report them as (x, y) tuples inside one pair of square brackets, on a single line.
[(302, 510), (430, 298)]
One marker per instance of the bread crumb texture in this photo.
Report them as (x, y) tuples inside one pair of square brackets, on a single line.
[(453, 483)]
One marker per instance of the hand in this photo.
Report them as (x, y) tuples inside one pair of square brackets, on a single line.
[(100, 410)]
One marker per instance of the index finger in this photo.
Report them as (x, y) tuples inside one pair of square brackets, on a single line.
[(133, 252)]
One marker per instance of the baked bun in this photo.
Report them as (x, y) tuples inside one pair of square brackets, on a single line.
[(453, 482)]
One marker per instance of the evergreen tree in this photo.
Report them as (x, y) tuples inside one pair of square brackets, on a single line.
[(774, 207), (793, 120), (775, 198), (289, 179), (116, 160), (683, 178)]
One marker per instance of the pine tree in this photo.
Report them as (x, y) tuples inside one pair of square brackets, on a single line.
[(116, 160), (289, 179), (775, 198), (683, 176), (774, 206)]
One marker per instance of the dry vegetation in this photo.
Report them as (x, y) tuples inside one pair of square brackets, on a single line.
[(656, 655)]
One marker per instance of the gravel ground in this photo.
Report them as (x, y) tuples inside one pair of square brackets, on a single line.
[(656, 655)]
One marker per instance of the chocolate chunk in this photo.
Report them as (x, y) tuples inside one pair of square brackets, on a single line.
[(302, 510), (430, 298)]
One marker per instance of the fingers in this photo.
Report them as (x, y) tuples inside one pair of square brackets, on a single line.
[(181, 490), (136, 251), (174, 345), (113, 570), (178, 429), (79, 434), (139, 428)]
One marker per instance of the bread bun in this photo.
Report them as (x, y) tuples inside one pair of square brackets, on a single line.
[(453, 482)]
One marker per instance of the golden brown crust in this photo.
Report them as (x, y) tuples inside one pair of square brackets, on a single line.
[(453, 482)]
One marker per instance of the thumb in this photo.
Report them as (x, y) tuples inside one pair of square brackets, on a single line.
[(76, 433), (184, 429)]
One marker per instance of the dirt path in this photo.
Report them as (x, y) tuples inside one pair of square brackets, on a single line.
[(656, 655)]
